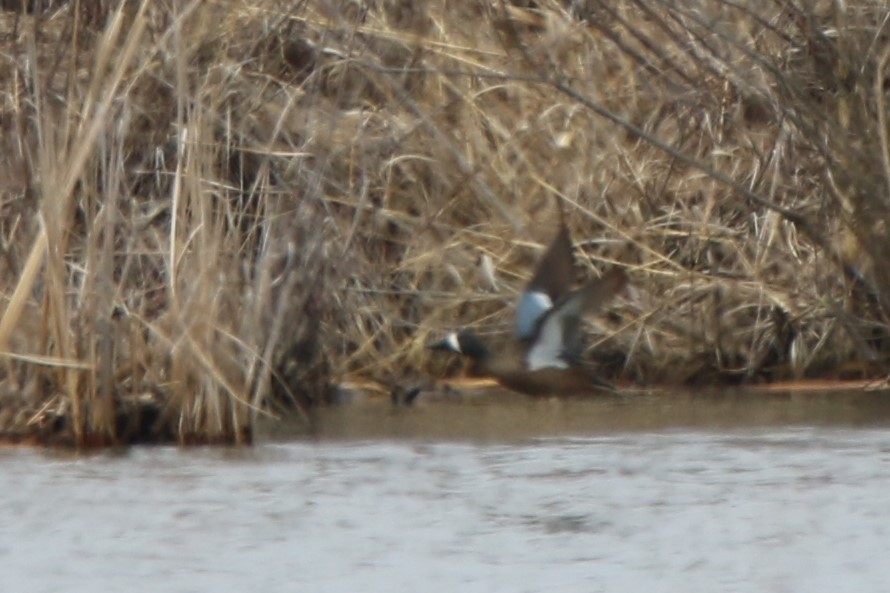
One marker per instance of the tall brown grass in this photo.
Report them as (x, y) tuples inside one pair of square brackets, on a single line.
[(211, 209)]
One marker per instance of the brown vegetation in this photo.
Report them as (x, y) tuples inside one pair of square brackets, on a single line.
[(212, 208)]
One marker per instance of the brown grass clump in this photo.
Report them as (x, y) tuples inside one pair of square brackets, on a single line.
[(211, 209)]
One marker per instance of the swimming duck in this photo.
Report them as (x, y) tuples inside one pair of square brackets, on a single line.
[(545, 360)]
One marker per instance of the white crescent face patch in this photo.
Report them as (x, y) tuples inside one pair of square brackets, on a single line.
[(453, 342)]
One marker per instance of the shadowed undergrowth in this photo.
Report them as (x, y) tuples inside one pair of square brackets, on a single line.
[(211, 210)]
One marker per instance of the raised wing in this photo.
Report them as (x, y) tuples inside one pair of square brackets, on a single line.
[(558, 336), (532, 307), (549, 345), (553, 277)]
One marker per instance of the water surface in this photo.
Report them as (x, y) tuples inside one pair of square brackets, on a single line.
[(697, 494)]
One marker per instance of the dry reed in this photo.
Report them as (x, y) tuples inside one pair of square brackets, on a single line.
[(213, 209)]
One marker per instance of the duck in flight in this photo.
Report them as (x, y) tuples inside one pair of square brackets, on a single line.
[(545, 360)]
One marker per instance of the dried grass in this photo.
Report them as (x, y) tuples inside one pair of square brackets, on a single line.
[(210, 207)]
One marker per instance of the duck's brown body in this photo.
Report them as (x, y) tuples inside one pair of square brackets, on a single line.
[(572, 381)]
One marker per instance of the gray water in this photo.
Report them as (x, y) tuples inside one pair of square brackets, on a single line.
[(528, 496)]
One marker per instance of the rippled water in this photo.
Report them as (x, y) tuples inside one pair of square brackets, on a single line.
[(531, 496)]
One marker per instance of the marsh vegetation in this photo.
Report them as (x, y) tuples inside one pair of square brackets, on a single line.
[(213, 209)]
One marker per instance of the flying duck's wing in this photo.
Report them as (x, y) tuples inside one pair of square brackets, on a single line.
[(558, 336), (593, 296), (532, 307), (552, 278), (549, 343)]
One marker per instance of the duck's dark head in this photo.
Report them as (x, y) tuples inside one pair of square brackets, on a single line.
[(465, 343)]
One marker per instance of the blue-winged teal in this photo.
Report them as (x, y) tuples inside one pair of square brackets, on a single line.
[(545, 359)]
